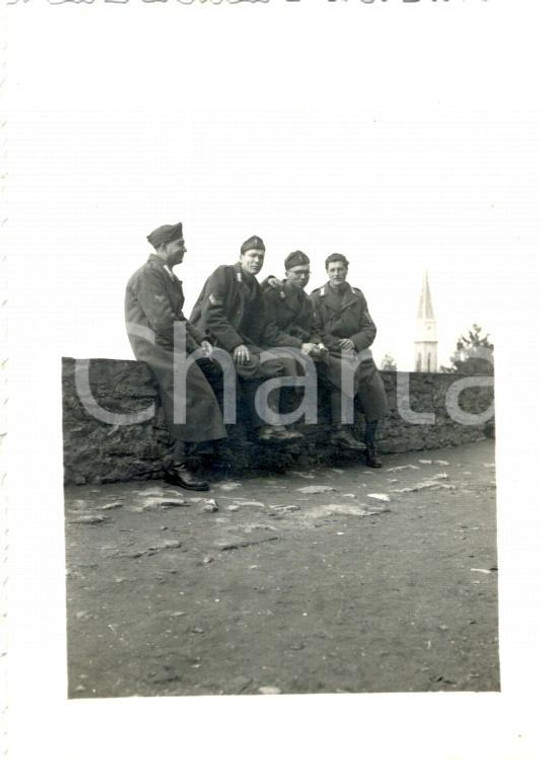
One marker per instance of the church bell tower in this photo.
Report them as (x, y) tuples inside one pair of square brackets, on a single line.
[(426, 339)]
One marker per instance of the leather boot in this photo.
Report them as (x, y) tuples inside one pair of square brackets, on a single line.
[(183, 476), (344, 437), (372, 457)]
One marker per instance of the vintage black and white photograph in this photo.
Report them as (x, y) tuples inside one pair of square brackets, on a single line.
[(273, 268), (262, 498)]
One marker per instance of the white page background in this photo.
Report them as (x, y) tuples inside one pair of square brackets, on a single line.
[(406, 136)]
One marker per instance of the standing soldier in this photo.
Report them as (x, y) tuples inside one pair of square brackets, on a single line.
[(231, 312), (347, 331), (153, 304)]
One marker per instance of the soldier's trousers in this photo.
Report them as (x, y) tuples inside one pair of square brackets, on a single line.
[(250, 376)]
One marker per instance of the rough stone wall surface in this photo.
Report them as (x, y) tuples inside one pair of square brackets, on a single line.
[(98, 451)]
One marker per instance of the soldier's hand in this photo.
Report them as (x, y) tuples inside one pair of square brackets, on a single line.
[(320, 351), (207, 347), (241, 354), (346, 345), (276, 284), (308, 348)]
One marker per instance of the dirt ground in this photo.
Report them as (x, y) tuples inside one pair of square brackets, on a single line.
[(379, 581)]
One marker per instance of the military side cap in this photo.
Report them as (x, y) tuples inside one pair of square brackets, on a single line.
[(296, 259), (165, 234), (252, 244)]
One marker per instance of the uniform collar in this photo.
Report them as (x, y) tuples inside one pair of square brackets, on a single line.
[(342, 298), (340, 291), (159, 262), (248, 279)]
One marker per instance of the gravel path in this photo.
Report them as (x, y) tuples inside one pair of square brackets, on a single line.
[(316, 581)]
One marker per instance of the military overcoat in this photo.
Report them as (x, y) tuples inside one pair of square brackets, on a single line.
[(289, 316), (344, 314), (153, 303), (230, 312)]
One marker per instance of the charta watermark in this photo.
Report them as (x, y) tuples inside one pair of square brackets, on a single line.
[(267, 394), (183, 362), (307, 409), (88, 400)]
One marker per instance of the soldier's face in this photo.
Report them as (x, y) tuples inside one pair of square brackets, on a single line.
[(337, 272), (252, 261), (298, 276), (175, 251)]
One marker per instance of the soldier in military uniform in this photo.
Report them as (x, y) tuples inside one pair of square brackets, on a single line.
[(153, 304), (230, 311), (347, 330), (289, 311), (290, 319)]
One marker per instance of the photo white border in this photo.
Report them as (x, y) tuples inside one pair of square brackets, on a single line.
[(40, 720)]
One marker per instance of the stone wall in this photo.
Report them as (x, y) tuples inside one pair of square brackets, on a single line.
[(97, 451)]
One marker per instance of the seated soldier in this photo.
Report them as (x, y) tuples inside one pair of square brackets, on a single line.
[(347, 330), (290, 321), (153, 305), (230, 311)]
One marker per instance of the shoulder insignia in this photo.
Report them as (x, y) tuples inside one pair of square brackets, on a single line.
[(239, 277)]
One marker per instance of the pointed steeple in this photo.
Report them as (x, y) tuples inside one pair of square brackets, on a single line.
[(425, 310), (426, 340)]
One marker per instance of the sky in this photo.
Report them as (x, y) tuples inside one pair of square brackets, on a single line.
[(210, 115), (397, 196), (404, 135)]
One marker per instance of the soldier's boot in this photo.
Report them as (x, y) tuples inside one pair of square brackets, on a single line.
[(343, 437), (185, 477), (276, 431), (184, 471), (372, 457)]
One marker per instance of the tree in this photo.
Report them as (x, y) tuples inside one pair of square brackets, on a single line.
[(388, 363), (473, 354)]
